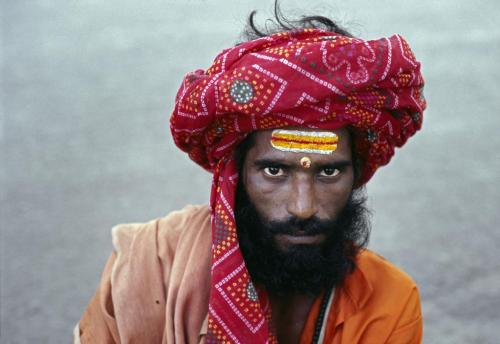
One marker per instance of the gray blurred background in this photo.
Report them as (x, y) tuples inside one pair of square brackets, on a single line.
[(87, 89)]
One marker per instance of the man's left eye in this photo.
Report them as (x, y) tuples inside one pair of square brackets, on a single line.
[(329, 172)]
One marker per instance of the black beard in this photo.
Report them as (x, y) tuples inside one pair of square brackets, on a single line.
[(305, 269)]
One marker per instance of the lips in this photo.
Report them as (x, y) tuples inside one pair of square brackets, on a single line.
[(300, 238)]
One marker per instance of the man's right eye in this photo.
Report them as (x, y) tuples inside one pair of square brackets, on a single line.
[(274, 171)]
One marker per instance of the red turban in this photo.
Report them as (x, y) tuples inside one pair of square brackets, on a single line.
[(309, 78)]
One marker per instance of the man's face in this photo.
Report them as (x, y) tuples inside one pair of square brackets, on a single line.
[(280, 188), (299, 228)]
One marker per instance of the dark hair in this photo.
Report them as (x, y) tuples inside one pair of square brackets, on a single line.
[(280, 23), (242, 149)]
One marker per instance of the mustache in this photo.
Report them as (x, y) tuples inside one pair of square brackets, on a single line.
[(297, 226)]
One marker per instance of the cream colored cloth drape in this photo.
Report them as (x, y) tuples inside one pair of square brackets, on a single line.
[(154, 288)]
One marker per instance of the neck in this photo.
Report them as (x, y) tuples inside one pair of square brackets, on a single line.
[(290, 313)]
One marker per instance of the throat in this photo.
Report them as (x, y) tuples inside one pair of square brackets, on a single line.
[(290, 313)]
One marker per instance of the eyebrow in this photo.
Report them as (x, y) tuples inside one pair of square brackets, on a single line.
[(262, 163)]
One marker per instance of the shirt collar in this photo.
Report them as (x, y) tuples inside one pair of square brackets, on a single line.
[(352, 294)]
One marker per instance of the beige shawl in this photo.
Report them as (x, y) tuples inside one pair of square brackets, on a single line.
[(140, 299)]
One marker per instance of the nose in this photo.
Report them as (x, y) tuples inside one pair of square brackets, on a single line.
[(302, 200)]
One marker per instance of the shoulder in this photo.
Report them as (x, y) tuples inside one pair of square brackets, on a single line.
[(168, 229), (397, 293), (388, 285), (393, 295), (385, 300), (162, 260), (379, 271)]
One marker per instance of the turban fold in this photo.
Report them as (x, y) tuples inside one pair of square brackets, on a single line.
[(303, 78)]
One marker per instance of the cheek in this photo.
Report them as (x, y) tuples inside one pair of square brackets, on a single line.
[(333, 198), (267, 197), (332, 204)]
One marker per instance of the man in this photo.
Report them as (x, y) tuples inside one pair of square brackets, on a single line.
[(292, 125)]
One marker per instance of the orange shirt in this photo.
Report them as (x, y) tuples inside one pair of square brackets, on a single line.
[(155, 289), (378, 303)]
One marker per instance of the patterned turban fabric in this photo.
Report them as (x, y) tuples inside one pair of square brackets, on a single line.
[(305, 78)]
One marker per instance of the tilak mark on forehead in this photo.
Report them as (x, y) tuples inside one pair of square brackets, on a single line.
[(319, 142)]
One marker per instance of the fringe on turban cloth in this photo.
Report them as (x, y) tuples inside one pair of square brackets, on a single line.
[(307, 78)]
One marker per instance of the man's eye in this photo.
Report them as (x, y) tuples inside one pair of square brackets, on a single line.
[(274, 171), (329, 172)]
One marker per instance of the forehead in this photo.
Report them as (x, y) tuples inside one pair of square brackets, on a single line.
[(263, 148)]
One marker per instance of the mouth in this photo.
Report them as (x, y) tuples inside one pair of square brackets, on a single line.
[(299, 238)]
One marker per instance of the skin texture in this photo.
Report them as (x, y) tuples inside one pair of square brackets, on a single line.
[(280, 187)]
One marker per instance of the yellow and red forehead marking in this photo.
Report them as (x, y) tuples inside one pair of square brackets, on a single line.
[(320, 142)]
